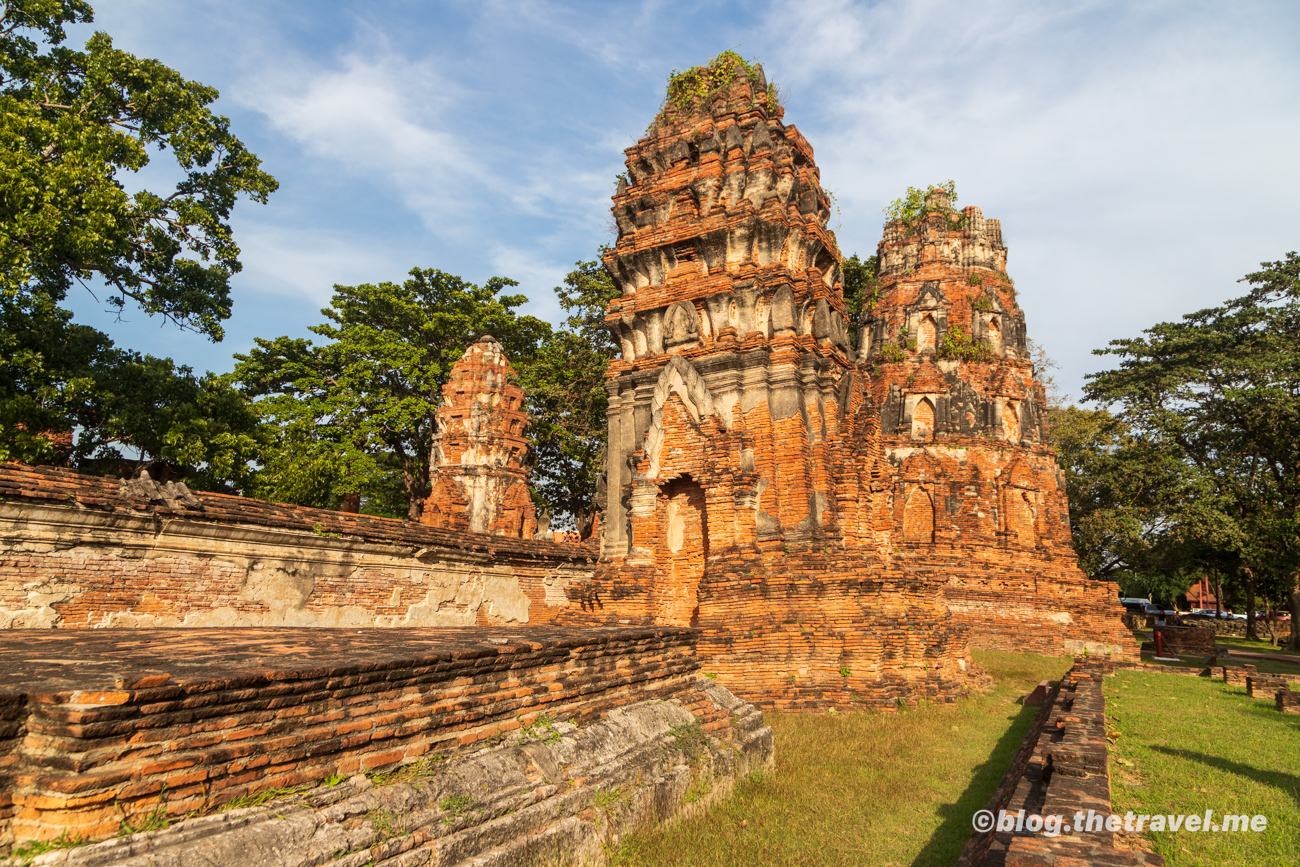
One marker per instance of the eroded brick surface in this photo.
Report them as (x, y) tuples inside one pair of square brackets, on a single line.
[(86, 551), (477, 465), (104, 725)]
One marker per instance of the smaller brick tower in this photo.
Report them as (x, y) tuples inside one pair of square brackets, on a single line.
[(477, 464), (977, 499)]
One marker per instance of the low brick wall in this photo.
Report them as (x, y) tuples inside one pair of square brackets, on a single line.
[(1234, 628), (554, 794), (1288, 701), (1187, 639), (81, 551), (1265, 685), (118, 724), (1239, 675), (1066, 771)]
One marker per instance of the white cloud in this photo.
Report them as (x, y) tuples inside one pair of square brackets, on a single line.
[(381, 116), (1138, 154)]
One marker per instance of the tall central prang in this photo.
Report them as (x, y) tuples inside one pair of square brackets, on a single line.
[(731, 301)]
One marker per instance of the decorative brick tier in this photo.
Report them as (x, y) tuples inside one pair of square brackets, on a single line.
[(98, 726), (87, 551), (477, 465)]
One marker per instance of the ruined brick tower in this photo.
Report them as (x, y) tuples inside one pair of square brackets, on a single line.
[(977, 498), (743, 448), (477, 464)]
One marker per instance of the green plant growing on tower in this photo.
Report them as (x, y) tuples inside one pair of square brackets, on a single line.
[(696, 87), (911, 209), (958, 344)]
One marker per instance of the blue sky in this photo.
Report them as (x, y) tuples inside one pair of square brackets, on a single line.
[(1141, 155)]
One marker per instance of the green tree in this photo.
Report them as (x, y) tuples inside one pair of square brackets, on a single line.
[(1124, 493), (358, 411), (1222, 388), (57, 376), (567, 401), (74, 126), (860, 286), (72, 123)]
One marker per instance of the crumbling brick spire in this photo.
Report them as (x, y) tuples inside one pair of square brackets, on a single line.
[(963, 423), (477, 464), (731, 298)]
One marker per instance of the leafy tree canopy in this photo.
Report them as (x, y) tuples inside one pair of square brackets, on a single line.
[(356, 414), (1221, 389), (567, 401), (57, 376), (71, 123), (861, 289)]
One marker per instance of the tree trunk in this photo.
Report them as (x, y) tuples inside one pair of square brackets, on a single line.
[(1251, 632), (1294, 642)]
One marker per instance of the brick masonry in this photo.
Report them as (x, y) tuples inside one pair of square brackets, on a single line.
[(84, 551), (1288, 701), (841, 525), (1062, 769), (101, 726), (477, 466), (1186, 639), (549, 794)]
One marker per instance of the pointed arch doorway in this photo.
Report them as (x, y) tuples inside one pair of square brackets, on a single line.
[(684, 519)]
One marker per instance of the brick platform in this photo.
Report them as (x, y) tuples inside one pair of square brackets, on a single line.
[(98, 726)]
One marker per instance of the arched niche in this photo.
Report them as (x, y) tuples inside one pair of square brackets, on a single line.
[(681, 511), (926, 333), (1022, 515), (993, 330), (679, 377), (1011, 421), (918, 516), (923, 420)]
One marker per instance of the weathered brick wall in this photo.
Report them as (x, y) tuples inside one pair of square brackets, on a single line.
[(83, 551), (1187, 639), (120, 724), (13, 728), (1237, 628), (1067, 770), (549, 794)]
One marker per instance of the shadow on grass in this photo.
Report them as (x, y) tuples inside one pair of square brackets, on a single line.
[(946, 843), (1289, 783)]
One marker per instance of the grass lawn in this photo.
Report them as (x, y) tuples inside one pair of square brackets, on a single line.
[(1254, 646), (1191, 744), (865, 788), (1197, 661)]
